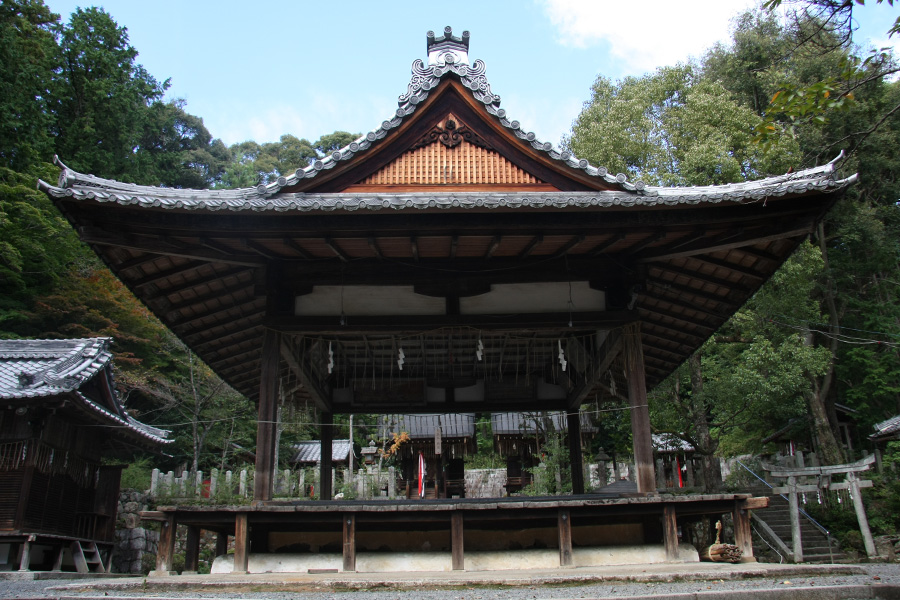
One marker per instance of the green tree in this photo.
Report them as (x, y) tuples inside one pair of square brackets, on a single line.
[(29, 60), (673, 128), (175, 149), (104, 96)]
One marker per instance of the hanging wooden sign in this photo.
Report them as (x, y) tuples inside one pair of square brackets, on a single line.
[(437, 441)]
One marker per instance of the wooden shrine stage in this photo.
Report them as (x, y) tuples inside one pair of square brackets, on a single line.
[(497, 524)]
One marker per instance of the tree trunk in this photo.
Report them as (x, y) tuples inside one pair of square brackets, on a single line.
[(706, 445), (831, 452)]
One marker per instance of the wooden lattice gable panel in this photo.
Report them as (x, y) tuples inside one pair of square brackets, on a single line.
[(452, 154)]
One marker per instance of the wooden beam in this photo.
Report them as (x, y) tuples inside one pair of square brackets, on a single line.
[(534, 243), (260, 249), (678, 317), (457, 541), (165, 549), (394, 323), (336, 248), (220, 321), (609, 243), (97, 237), (670, 532), (572, 243), (217, 246), (161, 275), (674, 330), (748, 238), (192, 550), (192, 284), (136, 262), (321, 398), (348, 521), (206, 334), (716, 262), (454, 245), (698, 276), (443, 271), (492, 247), (564, 527), (414, 248), (580, 393), (680, 304), (640, 411), (267, 423), (649, 240), (218, 313), (241, 543), (373, 245), (216, 295), (743, 536), (290, 243), (685, 289)]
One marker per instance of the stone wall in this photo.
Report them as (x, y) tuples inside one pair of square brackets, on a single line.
[(132, 540)]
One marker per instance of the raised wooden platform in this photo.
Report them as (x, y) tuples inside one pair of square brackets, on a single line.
[(558, 521)]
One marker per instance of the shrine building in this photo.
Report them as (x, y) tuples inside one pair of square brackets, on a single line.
[(448, 262)]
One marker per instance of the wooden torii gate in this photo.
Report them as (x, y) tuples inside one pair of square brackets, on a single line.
[(824, 475)]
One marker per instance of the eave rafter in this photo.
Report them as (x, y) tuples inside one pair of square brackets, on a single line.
[(156, 245)]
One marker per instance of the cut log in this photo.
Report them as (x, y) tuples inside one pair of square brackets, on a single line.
[(722, 553)]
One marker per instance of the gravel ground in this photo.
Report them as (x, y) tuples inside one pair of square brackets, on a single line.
[(874, 574)]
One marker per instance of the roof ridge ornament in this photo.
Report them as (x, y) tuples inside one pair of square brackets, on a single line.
[(447, 49)]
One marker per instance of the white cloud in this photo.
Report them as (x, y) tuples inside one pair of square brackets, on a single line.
[(646, 34)]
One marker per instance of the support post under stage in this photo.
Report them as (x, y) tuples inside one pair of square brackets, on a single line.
[(640, 412)]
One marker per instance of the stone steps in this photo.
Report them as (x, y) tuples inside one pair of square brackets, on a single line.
[(815, 544)]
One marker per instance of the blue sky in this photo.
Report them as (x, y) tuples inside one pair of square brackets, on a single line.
[(257, 70)]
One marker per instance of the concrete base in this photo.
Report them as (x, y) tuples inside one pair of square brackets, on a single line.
[(388, 562)]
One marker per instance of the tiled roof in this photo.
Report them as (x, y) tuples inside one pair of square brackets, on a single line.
[(448, 57), (525, 423), (887, 429), (37, 368), (45, 368), (311, 451), (423, 426), (87, 187)]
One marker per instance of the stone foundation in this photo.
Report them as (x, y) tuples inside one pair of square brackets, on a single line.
[(387, 562), (132, 540)]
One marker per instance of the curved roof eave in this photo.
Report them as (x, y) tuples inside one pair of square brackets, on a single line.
[(77, 186)]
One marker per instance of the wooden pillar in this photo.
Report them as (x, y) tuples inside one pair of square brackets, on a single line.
[(192, 550), (855, 494), (670, 532), (221, 543), (25, 559), (325, 481), (743, 537), (456, 541), (640, 412), (60, 553), (349, 526), (165, 550), (573, 424), (796, 537), (241, 543), (266, 428), (564, 524)]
